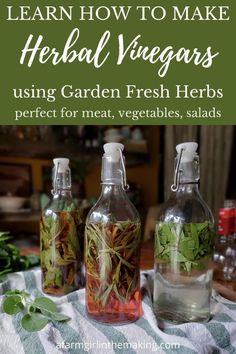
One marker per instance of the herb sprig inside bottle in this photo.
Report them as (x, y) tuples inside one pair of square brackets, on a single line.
[(61, 236), (113, 247)]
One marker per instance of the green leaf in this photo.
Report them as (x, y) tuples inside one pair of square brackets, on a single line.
[(5, 262), (199, 266), (117, 273), (120, 297), (129, 288), (10, 258), (34, 322), (6, 271), (23, 263), (3, 253), (167, 250), (194, 233), (163, 239), (49, 309), (33, 260), (105, 265), (13, 249), (4, 236), (12, 304), (57, 316), (39, 312), (14, 292), (58, 278), (192, 242), (45, 303), (188, 266), (158, 247), (127, 264), (181, 258), (106, 294)]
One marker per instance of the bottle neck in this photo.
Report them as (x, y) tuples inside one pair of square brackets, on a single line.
[(191, 187), (186, 175), (112, 189), (66, 193), (62, 184), (113, 171)]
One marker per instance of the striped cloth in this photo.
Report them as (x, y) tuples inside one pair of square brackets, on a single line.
[(80, 335)]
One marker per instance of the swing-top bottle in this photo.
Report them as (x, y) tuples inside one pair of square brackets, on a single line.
[(61, 236), (183, 246), (112, 236)]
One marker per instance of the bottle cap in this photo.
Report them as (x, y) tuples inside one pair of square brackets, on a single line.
[(113, 166), (112, 150), (62, 164), (61, 178), (189, 151)]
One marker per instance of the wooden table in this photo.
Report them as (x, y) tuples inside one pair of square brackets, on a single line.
[(21, 222)]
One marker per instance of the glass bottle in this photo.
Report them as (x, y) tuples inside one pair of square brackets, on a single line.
[(225, 248), (184, 240), (112, 256), (61, 236)]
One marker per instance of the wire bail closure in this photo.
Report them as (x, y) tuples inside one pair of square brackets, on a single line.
[(177, 174), (54, 191), (124, 184)]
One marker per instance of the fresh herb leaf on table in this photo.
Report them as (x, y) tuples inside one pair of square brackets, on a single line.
[(10, 258), (36, 313)]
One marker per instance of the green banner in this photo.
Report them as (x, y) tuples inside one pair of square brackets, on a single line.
[(113, 63)]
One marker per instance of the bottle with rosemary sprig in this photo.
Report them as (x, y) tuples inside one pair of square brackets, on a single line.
[(61, 236), (184, 241), (112, 251)]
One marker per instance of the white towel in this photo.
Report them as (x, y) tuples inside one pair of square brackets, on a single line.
[(81, 335)]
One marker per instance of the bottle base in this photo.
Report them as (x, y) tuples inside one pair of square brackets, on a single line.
[(180, 317), (182, 298), (116, 319), (58, 291)]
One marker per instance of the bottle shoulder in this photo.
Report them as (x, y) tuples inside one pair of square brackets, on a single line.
[(186, 209), (61, 203), (113, 209)]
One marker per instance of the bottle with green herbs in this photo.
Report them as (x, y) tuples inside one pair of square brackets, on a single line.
[(184, 240), (61, 236), (112, 253)]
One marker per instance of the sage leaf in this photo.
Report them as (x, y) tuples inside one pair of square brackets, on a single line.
[(34, 322), (45, 303), (13, 304), (39, 312), (187, 244), (56, 316)]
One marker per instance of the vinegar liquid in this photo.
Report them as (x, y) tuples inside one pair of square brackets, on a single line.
[(112, 272), (114, 312)]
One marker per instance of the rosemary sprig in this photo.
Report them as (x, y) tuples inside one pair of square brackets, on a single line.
[(112, 261), (61, 251)]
